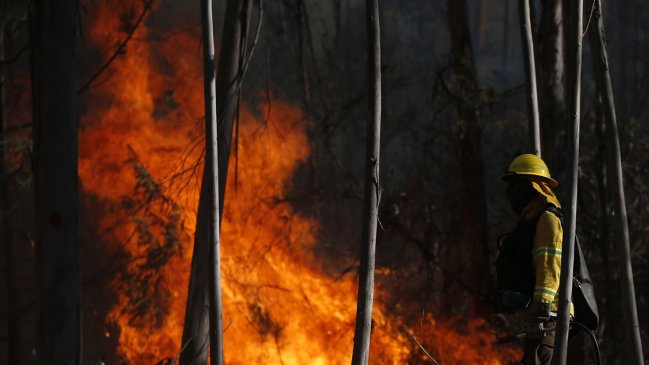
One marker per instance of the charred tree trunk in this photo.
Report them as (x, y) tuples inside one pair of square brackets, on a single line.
[(363, 330), (530, 77), (568, 249), (228, 81), (605, 87), (551, 83), (211, 170), (56, 221), (304, 74), (13, 329), (229, 78), (472, 246)]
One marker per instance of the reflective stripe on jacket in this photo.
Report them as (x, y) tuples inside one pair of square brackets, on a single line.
[(546, 254), (546, 249)]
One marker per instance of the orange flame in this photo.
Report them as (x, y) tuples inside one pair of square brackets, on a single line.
[(279, 306)]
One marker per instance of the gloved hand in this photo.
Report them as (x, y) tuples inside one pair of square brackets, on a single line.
[(539, 312), (536, 315), (509, 301)]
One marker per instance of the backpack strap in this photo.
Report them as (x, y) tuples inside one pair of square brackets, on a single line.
[(556, 211)]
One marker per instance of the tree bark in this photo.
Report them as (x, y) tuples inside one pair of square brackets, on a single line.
[(56, 222), (530, 77), (568, 250), (551, 83), (605, 87), (228, 80), (211, 168), (363, 330), (472, 244), (13, 328)]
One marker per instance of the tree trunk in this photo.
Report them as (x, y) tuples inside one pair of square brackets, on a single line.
[(568, 249), (507, 24), (362, 333), (13, 329), (530, 77), (228, 80), (195, 340), (605, 223), (211, 170), (304, 74), (471, 250), (482, 23), (551, 84), (56, 224), (605, 87)]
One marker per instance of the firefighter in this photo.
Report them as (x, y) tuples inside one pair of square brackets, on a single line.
[(533, 266)]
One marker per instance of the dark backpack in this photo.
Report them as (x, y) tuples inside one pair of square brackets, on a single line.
[(583, 291), (516, 278)]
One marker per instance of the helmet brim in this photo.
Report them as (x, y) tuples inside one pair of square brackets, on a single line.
[(511, 175)]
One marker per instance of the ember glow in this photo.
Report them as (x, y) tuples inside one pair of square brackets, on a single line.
[(279, 305)]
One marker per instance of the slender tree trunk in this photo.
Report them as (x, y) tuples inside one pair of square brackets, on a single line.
[(471, 250), (568, 250), (211, 168), (482, 22), (363, 330), (530, 77), (228, 80), (336, 5), (13, 329), (304, 74), (606, 222), (634, 49), (551, 83), (195, 340), (507, 25), (605, 87), (56, 226)]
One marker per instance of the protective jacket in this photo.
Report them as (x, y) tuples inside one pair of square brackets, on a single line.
[(529, 262), (546, 244)]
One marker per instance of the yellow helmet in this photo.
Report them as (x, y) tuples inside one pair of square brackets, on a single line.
[(530, 165)]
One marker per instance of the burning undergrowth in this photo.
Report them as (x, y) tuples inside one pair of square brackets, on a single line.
[(140, 148)]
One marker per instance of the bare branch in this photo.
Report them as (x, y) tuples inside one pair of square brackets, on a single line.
[(120, 49), (423, 349)]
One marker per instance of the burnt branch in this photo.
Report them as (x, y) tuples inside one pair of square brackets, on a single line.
[(120, 49)]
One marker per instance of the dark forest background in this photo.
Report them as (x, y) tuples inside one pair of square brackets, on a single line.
[(441, 211)]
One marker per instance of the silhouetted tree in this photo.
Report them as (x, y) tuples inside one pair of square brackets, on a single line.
[(56, 201), (472, 246)]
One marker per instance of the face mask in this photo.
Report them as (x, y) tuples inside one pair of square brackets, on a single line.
[(520, 193)]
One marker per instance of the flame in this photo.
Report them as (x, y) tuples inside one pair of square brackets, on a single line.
[(279, 305), (471, 345)]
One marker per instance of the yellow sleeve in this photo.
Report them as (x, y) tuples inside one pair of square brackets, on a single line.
[(546, 253)]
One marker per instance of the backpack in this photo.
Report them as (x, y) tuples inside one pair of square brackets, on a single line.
[(583, 291), (516, 278)]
